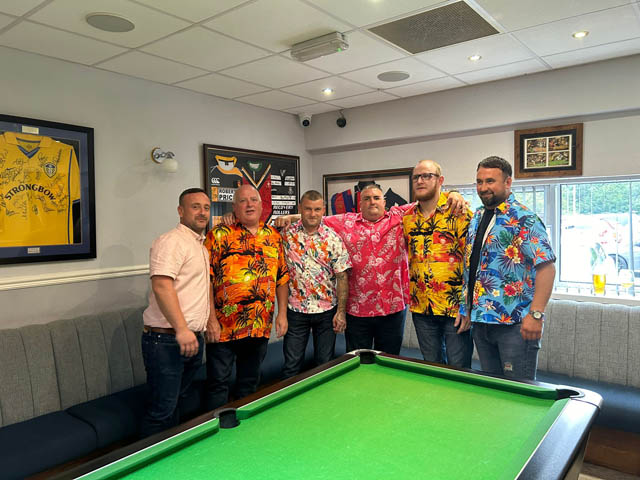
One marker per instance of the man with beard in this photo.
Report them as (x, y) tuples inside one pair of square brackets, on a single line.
[(508, 276), (436, 242), (178, 312)]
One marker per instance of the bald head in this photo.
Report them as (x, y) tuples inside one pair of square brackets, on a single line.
[(247, 206)]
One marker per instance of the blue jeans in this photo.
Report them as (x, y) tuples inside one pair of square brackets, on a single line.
[(247, 354), (169, 375), (383, 332), (440, 342), (297, 336), (503, 351)]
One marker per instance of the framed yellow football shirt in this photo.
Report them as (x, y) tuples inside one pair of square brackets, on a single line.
[(39, 181)]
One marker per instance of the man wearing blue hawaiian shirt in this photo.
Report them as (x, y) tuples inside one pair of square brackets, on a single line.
[(508, 276)]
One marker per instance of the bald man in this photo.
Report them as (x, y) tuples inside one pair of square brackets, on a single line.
[(249, 273)]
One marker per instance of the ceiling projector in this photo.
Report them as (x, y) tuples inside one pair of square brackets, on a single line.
[(319, 47)]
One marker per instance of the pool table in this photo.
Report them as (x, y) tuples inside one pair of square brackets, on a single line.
[(372, 415)]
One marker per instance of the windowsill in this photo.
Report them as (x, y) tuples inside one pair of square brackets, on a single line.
[(616, 300)]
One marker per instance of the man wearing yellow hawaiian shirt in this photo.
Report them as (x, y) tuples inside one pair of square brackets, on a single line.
[(249, 272), (436, 240)]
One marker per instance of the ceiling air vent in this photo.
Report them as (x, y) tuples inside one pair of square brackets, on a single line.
[(448, 25)]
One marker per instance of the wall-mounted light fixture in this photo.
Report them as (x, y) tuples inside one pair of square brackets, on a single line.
[(166, 159)]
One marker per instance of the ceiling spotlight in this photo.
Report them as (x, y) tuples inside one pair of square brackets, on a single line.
[(393, 76), (580, 34), (475, 58), (109, 22), (327, 91)]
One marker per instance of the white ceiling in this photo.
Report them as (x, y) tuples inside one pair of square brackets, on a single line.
[(239, 49)]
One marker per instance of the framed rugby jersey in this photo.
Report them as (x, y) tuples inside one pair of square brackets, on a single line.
[(47, 209), (275, 176), (342, 190)]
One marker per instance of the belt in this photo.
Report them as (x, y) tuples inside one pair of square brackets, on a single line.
[(168, 331)]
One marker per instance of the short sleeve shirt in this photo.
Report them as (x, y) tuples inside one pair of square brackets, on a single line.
[(313, 261), (180, 254), (379, 277), (505, 281), (245, 270), (436, 250)]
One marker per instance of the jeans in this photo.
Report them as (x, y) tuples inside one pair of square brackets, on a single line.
[(248, 354), (437, 331), (383, 332), (297, 336), (169, 375), (503, 351)]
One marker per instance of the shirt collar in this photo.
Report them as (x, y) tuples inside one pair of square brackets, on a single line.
[(298, 227), (12, 138), (360, 218), (186, 230)]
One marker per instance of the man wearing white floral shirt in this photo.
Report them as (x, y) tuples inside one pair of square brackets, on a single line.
[(318, 285)]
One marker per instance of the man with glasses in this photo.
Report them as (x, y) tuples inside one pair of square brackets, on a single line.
[(508, 276), (436, 243)]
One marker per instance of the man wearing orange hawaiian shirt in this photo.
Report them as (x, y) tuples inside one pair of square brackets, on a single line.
[(249, 273)]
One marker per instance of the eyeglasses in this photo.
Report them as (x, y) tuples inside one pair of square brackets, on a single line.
[(424, 176)]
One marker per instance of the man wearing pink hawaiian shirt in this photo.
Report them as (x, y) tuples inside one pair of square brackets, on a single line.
[(379, 277)]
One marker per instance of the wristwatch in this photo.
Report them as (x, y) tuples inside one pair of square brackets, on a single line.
[(537, 314)]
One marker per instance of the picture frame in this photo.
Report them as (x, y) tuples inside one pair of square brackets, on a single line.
[(340, 189), (276, 176), (548, 152), (47, 191)]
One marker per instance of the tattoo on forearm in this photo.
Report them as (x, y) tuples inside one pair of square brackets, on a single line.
[(343, 290)]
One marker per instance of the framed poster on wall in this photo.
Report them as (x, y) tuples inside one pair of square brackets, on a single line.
[(275, 176), (47, 200), (549, 152), (342, 190)]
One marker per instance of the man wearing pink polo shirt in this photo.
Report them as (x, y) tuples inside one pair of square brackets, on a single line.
[(379, 277)]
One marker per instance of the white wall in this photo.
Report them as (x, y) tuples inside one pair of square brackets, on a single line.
[(459, 127), (135, 200)]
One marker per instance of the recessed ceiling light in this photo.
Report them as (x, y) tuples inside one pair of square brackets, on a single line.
[(580, 34), (109, 22), (393, 76), (327, 91), (475, 58)]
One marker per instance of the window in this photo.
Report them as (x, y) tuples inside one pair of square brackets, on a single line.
[(593, 226)]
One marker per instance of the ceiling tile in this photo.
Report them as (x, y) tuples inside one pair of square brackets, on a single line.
[(5, 20), (495, 50), (366, 99), (314, 109), (612, 25), (364, 51), (138, 64), (221, 86), (205, 49), (18, 7), (194, 10), (503, 71), (275, 72), (521, 14), (56, 43), (282, 23), (341, 88), (594, 54), (366, 12), (275, 100), (418, 72), (426, 87), (149, 24)]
